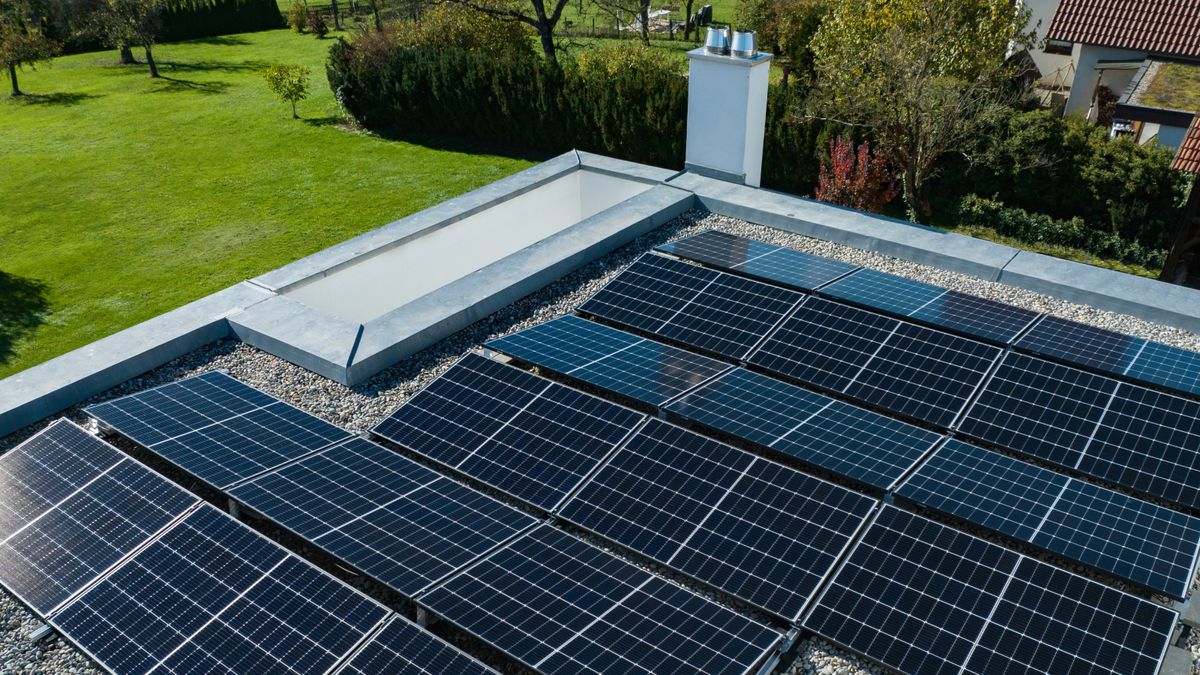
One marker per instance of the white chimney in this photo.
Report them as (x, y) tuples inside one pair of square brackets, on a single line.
[(727, 109)]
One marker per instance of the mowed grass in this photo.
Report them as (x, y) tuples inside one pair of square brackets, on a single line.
[(122, 197)]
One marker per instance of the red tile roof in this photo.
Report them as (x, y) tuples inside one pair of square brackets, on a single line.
[(1170, 27), (1188, 156)]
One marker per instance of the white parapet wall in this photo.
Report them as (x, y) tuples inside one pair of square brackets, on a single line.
[(727, 115)]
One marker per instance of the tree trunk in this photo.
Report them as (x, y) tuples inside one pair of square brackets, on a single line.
[(294, 115), (687, 21), (644, 12), (911, 200), (547, 36), (150, 62), (127, 55), (378, 19), (12, 75), (337, 17)]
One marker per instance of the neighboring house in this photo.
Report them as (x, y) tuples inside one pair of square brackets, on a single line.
[(1112, 42), (1159, 103), (1054, 68), (1187, 158)]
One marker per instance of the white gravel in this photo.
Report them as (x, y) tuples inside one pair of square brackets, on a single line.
[(362, 407)]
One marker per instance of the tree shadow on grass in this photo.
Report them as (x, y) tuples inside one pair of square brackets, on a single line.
[(225, 40), (212, 66), (328, 121), (23, 307), (173, 84), (63, 98)]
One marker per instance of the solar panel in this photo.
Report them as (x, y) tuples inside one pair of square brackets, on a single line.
[(912, 370), (1115, 353), (560, 605), (216, 428), (522, 434), (859, 444), (712, 311), (1129, 538), (974, 316), (403, 648), (1124, 433), (761, 531), (759, 260), (382, 513), (921, 597), (211, 595), (89, 513), (622, 363)]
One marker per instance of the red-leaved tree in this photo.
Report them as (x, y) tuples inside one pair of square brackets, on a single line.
[(860, 180)]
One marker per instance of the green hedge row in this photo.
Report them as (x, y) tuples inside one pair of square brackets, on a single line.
[(1074, 233), (224, 17)]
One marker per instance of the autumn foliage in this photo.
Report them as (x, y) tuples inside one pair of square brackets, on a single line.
[(855, 178)]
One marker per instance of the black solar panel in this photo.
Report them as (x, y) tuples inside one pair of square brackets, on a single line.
[(709, 310), (382, 513), (605, 357), (530, 437), (759, 260), (1115, 353), (99, 514), (403, 648), (756, 529), (211, 595), (216, 428), (975, 316), (923, 598), (1124, 433), (1130, 538), (835, 436), (560, 605), (909, 369)]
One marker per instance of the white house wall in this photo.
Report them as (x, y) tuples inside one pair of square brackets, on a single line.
[(1086, 76), (1041, 13)]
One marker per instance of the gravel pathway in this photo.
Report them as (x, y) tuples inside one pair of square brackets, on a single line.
[(362, 407)]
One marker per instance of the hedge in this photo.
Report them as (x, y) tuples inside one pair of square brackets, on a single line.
[(224, 17), (1073, 233)]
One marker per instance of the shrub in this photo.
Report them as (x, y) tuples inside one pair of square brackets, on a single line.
[(288, 83), (860, 180), (297, 16), (316, 24), (1074, 233)]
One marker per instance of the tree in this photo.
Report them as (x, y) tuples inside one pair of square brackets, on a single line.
[(860, 180), (288, 83), (619, 9), (542, 19), (22, 40), (918, 75), (136, 23)]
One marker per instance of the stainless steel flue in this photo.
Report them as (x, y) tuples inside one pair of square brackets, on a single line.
[(717, 41)]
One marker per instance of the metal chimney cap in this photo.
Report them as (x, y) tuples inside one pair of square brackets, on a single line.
[(745, 44), (717, 41)]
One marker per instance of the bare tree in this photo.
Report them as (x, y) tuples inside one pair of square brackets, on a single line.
[(543, 18), (619, 9)]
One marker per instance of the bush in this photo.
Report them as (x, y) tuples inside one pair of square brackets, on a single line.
[(316, 24), (297, 16), (1074, 233), (856, 179)]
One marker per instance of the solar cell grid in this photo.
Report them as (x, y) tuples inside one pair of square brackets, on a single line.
[(883, 291), (711, 311), (759, 260), (560, 605), (530, 437), (620, 362), (403, 648), (212, 595), (835, 436), (923, 598), (1126, 537), (1167, 366), (1082, 344), (382, 513)]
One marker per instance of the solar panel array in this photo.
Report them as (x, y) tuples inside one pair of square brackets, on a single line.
[(530, 437), (921, 597), (711, 311), (145, 578), (1136, 540), (760, 531), (759, 260), (217, 428), (560, 605), (403, 648)]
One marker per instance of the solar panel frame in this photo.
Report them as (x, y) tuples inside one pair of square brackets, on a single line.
[(401, 647), (1149, 545), (541, 438), (1000, 591), (79, 610), (626, 365), (232, 427), (701, 308), (549, 596), (759, 260)]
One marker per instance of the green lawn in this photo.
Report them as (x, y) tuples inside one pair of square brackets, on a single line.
[(123, 197)]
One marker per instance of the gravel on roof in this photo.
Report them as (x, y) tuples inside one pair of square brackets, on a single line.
[(361, 407)]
